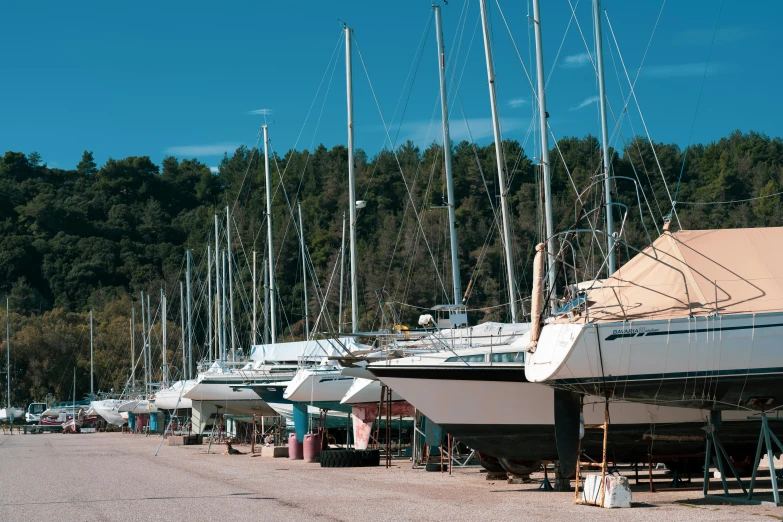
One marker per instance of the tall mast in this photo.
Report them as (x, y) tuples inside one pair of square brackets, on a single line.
[(149, 347), (8, 354), (342, 285), (266, 302), (351, 184), (182, 331), (165, 369), (230, 285), (133, 346), (254, 326), (544, 166), (144, 343), (224, 341), (219, 348), (599, 52), (512, 284), (444, 109), (190, 322), (304, 273), (210, 333), (270, 245), (92, 370)]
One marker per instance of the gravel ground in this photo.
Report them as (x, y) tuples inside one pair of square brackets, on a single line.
[(113, 476)]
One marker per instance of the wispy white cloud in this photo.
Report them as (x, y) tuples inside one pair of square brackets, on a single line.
[(682, 70), (262, 112), (576, 60), (217, 149), (516, 103), (585, 103), (214, 170), (424, 132)]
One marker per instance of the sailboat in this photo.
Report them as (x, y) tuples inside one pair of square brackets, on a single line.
[(693, 320), (9, 414), (457, 335), (74, 423), (482, 398)]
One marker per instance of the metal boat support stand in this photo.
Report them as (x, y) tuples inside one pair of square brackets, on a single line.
[(713, 441), (766, 438), (545, 484), (677, 484)]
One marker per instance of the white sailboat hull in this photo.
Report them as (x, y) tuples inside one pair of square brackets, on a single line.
[(495, 410), (108, 410), (12, 414), (714, 362), (173, 398), (315, 385), (364, 391)]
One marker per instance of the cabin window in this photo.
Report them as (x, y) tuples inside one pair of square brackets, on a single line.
[(508, 357), (466, 358)]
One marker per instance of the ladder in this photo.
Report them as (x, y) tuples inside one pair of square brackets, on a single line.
[(603, 463)]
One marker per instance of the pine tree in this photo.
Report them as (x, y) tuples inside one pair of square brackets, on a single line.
[(87, 166)]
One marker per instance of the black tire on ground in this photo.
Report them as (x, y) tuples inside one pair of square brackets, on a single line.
[(435, 466), (682, 465), (340, 458), (370, 458), (520, 467), (490, 463)]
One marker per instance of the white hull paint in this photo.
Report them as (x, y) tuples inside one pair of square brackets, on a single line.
[(173, 398), (671, 361), (520, 403), (316, 385), (364, 391), (108, 410), (7, 413)]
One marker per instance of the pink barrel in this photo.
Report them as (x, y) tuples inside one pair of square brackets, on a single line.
[(312, 447), (294, 447)]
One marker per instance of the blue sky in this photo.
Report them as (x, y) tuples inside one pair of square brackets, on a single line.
[(185, 78)]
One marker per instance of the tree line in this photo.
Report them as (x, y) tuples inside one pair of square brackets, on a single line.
[(96, 236)]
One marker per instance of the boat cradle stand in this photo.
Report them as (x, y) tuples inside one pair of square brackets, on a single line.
[(677, 483), (766, 438)]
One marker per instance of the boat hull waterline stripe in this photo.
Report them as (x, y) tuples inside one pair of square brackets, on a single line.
[(614, 336)]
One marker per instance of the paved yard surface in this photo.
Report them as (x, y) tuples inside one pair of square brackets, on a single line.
[(113, 476)]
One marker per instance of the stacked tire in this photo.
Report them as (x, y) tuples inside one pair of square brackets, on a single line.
[(340, 458), (490, 463)]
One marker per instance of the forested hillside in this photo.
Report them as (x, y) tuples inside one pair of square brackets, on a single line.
[(94, 237)]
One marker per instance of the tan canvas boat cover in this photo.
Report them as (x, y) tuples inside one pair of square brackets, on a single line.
[(732, 270)]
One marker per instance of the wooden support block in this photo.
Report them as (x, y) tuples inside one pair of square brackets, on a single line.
[(513, 478), (177, 440), (275, 452)]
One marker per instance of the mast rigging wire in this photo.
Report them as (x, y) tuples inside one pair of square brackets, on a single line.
[(698, 102)]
